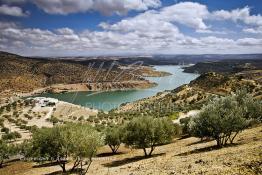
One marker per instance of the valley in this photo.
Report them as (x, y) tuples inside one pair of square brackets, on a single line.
[(163, 91)]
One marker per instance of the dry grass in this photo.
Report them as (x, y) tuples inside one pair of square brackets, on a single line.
[(183, 156)]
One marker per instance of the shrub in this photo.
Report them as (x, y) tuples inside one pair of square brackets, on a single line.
[(53, 120), (184, 124), (6, 150), (222, 119), (113, 138), (148, 132), (5, 130), (81, 118), (80, 141), (11, 136)]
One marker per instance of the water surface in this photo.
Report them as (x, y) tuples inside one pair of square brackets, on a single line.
[(112, 99)]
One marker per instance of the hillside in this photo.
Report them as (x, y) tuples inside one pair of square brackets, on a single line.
[(225, 66), (183, 156), (196, 93), (21, 74)]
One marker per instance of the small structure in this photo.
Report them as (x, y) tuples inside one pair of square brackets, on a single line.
[(45, 102)]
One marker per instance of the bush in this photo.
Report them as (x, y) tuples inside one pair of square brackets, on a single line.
[(148, 132), (222, 119), (79, 141), (184, 124), (6, 150), (5, 130), (113, 138), (11, 136), (53, 120)]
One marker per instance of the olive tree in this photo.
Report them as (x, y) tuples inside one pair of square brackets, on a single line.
[(222, 119), (251, 107), (148, 132), (77, 141), (6, 150), (113, 138)]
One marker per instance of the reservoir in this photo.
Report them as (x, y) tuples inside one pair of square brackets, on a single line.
[(107, 100)]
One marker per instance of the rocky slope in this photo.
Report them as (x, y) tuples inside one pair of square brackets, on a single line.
[(21, 75)]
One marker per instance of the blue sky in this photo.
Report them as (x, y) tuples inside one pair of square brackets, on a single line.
[(120, 27)]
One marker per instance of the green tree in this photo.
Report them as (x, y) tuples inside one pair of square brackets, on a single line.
[(113, 138), (222, 119), (11, 136), (6, 150), (251, 107), (78, 141), (148, 132)]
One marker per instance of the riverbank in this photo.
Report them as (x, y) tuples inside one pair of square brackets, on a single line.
[(103, 86)]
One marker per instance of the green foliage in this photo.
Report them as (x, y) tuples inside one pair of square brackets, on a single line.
[(5, 130), (251, 107), (11, 136), (184, 124), (113, 137), (174, 116), (222, 119), (6, 150), (79, 141), (148, 132)]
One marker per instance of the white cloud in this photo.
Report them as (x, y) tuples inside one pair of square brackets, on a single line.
[(4, 25), (107, 7), (207, 31), (236, 15), (256, 30), (253, 22), (12, 11), (65, 41), (153, 31), (249, 42), (187, 13)]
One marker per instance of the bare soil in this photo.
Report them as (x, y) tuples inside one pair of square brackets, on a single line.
[(183, 156)]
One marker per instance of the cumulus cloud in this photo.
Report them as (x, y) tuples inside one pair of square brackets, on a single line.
[(153, 31), (106, 7), (242, 15), (66, 41), (12, 11), (187, 13)]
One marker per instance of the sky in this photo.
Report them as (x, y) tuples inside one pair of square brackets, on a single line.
[(130, 27)]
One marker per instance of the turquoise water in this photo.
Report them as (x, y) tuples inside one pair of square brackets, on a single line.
[(112, 99)]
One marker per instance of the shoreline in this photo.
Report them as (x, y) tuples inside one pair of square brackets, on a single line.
[(49, 89)]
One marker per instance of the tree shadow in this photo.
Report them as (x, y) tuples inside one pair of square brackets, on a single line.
[(48, 164), (206, 149), (9, 162), (60, 172), (182, 137), (108, 154), (129, 160), (200, 141)]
